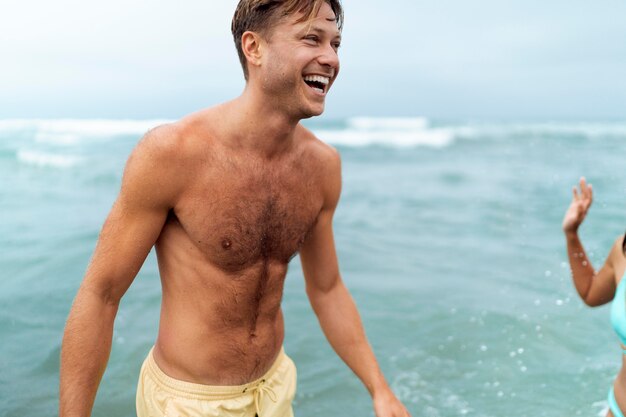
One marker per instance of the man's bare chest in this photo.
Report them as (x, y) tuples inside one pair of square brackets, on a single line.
[(240, 220)]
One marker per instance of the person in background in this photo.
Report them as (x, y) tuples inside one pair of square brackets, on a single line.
[(599, 287)]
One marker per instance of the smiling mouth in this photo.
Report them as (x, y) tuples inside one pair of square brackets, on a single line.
[(318, 83)]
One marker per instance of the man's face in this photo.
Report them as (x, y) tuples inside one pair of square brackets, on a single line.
[(301, 62)]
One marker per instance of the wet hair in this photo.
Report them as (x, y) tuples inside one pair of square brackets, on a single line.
[(261, 15), (624, 244)]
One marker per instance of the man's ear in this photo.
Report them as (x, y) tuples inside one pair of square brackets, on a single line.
[(252, 46)]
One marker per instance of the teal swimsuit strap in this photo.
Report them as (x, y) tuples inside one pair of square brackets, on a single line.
[(613, 405)]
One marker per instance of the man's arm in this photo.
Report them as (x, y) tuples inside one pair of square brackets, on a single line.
[(333, 305), (130, 231)]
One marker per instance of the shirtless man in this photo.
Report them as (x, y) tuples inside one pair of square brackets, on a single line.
[(228, 196)]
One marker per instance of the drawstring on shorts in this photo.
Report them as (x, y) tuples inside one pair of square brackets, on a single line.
[(257, 398), (258, 391)]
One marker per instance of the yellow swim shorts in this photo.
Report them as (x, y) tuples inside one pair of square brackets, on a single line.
[(159, 395)]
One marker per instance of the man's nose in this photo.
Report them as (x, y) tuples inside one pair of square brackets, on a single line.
[(329, 57)]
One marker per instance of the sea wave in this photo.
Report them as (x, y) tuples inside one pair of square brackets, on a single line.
[(419, 131), (388, 131), (388, 123), (66, 130), (45, 159), (437, 138), (588, 130), (63, 139), (352, 132)]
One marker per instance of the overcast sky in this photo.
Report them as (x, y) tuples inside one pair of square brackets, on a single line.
[(504, 59)]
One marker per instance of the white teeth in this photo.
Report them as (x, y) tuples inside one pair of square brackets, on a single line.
[(317, 78)]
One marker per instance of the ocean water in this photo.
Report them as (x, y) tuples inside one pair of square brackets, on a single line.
[(448, 235)]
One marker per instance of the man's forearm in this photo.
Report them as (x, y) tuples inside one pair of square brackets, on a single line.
[(340, 321), (84, 353)]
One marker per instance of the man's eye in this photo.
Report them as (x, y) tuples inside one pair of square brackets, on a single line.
[(311, 38), (337, 46)]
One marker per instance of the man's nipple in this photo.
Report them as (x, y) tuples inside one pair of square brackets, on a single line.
[(226, 244)]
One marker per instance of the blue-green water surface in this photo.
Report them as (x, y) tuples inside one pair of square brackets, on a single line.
[(448, 236)]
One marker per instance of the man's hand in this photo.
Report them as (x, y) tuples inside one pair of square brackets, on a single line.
[(387, 405), (581, 201)]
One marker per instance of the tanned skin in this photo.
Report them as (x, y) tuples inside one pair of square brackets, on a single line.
[(228, 196), (595, 288)]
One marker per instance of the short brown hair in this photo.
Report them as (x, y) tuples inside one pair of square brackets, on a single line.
[(260, 15)]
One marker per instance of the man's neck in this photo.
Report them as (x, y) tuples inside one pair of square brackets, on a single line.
[(261, 126)]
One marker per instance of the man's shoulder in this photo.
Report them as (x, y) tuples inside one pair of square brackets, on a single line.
[(166, 157), (176, 140), (161, 138), (322, 152), (326, 163)]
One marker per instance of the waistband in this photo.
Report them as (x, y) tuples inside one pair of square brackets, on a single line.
[(201, 391)]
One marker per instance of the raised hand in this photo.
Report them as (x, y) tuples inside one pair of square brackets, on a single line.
[(581, 201)]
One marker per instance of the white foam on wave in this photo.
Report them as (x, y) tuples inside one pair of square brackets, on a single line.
[(43, 159), (388, 123), (591, 130), (436, 138), (62, 139), (388, 131), (408, 132), (588, 130), (64, 128), (603, 406), (358, 131)]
